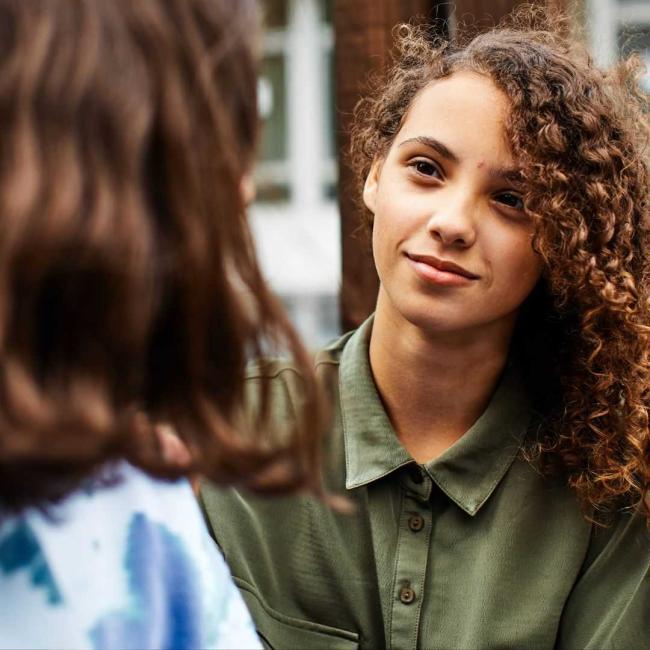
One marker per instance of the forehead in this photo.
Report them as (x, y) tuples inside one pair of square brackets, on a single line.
[(465, 111)]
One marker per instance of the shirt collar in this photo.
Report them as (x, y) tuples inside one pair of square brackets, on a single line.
[(468, 472), (372, 449)]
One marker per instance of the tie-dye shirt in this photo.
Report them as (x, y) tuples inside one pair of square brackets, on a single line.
[(125, 562)]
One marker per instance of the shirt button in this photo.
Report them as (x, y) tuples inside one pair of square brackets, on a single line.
[(415, 473), (416, 523), (406, 595)]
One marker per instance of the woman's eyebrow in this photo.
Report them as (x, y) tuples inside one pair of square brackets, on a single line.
[(434, 144), (507, 175), (510, 175)]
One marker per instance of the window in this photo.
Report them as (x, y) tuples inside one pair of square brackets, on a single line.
[(636, 38), (295, 217), (618, 28), (296, 101)]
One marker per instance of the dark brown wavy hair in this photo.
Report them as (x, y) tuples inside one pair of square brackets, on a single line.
[(130, 295), (580, 136)]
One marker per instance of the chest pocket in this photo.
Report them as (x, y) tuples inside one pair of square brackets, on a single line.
[(280, 632)]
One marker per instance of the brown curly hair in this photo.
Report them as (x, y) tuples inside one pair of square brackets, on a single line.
[(130, 294), (580, 137)]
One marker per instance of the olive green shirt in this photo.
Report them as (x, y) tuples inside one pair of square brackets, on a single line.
[(472, 550)]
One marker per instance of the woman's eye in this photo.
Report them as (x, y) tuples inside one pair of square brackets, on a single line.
[(426, 168), (511, 200)]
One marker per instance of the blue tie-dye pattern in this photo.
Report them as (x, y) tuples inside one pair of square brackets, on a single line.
[(133, 562), (156, 560), (20, 550)]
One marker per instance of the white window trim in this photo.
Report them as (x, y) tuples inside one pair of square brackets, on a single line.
[(307, 168), (298, 241), (606, 17)]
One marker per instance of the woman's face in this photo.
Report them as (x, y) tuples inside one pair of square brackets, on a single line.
[(451, 237)]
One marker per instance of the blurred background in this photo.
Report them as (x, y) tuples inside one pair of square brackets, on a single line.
[(317, 56)]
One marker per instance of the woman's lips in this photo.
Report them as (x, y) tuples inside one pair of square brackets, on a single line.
[(441, 272)]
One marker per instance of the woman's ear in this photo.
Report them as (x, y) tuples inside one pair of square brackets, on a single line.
[(371, 185)]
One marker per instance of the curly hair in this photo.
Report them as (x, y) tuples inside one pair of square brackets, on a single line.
[(130, 295), (580, 137)]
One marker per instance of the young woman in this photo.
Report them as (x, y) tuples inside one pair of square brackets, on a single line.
[(130, 301), (491, 420)]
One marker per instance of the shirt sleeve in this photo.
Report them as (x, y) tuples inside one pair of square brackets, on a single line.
[(609, 606)]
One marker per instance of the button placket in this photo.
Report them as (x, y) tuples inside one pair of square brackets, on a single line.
[(415, 474), (417, 482), (411, 561)]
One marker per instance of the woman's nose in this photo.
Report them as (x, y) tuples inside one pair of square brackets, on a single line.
[(452, 222)]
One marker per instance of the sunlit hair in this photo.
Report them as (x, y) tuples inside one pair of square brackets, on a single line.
[(130, 295), (580, 137)]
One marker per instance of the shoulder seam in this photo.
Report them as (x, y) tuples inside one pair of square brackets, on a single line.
[(327, 362), (261, 375)]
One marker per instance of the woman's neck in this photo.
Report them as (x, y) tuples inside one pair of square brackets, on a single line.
[(434, 385)]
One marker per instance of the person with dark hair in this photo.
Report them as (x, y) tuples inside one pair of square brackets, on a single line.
[(490, 421), (130, 303)]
